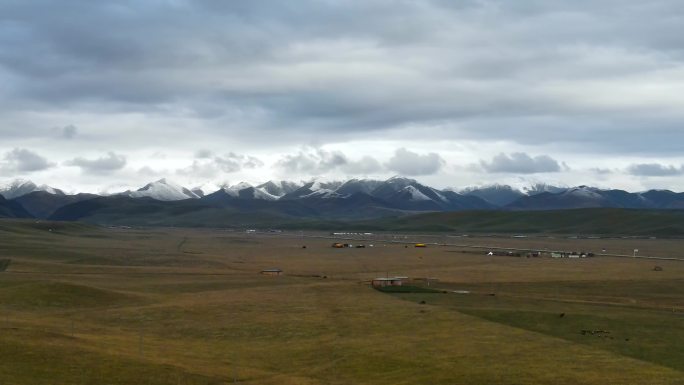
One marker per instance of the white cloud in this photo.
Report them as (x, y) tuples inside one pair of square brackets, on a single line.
[(20, 160), (569, 78), (318, 161), (312, 161), (654, 169), (209, 165), (367, 165), (521, 163), (409, 163), (105, 164)]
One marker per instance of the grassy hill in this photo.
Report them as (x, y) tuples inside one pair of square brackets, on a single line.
[(581, 221), (10, 209), (294, 215), (118, 210)]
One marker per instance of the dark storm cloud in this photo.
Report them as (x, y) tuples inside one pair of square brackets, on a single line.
[(105, 164), (576, 74), (520, 163), (23, 160), (409, 163), (654, 169)]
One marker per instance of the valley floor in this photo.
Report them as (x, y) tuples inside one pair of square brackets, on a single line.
[(86, 305)]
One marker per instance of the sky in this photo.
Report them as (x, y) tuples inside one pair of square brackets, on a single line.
[(105, 96)]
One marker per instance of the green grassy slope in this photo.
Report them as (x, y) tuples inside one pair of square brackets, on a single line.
[(582, 221), (629, 318)]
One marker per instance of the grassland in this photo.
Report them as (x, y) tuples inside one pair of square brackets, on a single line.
[(90, 305), (603, 221)]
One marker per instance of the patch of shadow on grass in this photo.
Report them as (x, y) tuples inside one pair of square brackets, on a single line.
[(62, 295), (408, 289), (39, 358), (143, 261)]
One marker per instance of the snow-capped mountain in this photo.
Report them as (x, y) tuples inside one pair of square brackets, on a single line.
[(356, 198), (538, 188), (323, 194), (244, 190), (313, 186), (592, 197), (235, 189), (162, 190), (279, 188), (408, 194), (20, 187), (415, 195), (498, 195), (392, 186), (205, 189), (352, 186)]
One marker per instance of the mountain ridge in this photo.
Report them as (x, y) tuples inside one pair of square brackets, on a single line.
[(319, 199)]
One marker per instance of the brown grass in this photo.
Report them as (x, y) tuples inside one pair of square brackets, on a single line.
[(76, 308)]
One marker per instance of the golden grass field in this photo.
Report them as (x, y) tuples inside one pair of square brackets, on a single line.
[(85, 305)]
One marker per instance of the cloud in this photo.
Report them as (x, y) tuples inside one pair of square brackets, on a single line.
[(203, 154), (521, 163), (69, 132), (406, 162), (106, 164), (23, 160), (148, 171), (654, 169), (274, 74), (367, 165), (601, 171), (207, 164), (556, 77), (199, 169), (232, 162), (312, 161), (318, 161)]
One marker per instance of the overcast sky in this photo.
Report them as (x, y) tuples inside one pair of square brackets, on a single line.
[(98, 96)]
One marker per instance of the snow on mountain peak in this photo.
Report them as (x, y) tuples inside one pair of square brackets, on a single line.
[(21, 187), (238, 191), (235, 189), (323, 183), (585, 191), (240, 186), (205, 189), (163, 190), (416, 195), (400, 180), (538, 188), (278, 188), (322, 193), (260, 193)]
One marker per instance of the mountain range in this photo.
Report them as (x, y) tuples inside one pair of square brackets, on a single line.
[(166, 203)]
